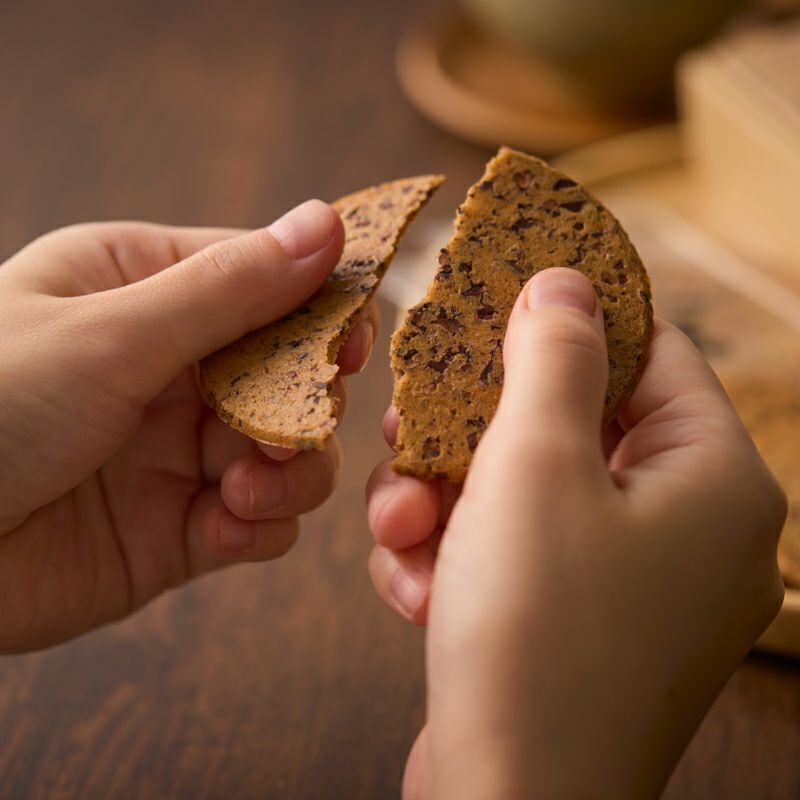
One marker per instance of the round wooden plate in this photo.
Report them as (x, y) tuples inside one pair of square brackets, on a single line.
[(495, 94)]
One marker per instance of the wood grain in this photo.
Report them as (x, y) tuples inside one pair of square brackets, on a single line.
[(289, 679)]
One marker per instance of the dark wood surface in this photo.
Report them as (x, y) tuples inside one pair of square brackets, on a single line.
[(288, 679)]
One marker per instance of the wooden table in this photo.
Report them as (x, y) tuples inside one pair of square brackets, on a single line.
[(289, 679)]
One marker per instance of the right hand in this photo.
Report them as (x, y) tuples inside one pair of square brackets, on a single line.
[(585, 607)]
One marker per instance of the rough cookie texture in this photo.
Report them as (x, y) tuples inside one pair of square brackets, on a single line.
[(520, 218), (275, 384)]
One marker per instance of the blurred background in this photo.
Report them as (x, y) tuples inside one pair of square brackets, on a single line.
[(290, 679)]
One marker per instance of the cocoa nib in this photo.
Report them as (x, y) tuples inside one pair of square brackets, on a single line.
[(239, 377), (563, 183), (450, 324), (431, 447), (475, 290), (521, 223)]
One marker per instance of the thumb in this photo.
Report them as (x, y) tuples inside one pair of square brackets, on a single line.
[(556, 368), (175, 317)]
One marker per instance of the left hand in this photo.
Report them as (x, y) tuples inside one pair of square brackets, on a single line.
[(116, 479)]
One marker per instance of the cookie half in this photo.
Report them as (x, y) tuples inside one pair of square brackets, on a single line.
[(521, 217), (276, 383)]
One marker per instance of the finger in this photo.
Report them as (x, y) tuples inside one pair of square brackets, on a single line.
[(678, 401), (229, 538), (402, 511), (257, 488), (676, 373), (391, 422), (680, 424), (215, 538), (555, 355), (182, 313), (402, 579), (276, 452), (415, 775), (95, 256), (356, 350), (549, 418)]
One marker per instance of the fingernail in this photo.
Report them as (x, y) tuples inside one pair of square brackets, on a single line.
[(236, 534), (305, 229), (562, 287), (409, 589), (269, 488), (366, 342), (276, 452)]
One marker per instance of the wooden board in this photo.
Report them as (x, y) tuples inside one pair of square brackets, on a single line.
[(745, 321)]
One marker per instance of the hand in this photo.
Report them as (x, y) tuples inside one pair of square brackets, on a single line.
[(585, 607), (116, 480)]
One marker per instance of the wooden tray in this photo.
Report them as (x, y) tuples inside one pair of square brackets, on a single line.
[(745, 320)]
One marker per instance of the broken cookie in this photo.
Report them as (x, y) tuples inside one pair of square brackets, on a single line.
[(520, 218), (276, 383)]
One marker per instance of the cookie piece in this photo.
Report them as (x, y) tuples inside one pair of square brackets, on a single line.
[(275, 384), (520, 218), (771, 412)]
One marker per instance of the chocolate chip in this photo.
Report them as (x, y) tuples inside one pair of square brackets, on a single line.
[(409, 354), (485, 372), (472, 440), (486, 185), (465, 267), (574, 205), (563, 183), (607, 278), (437, 366), (486, 312)]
